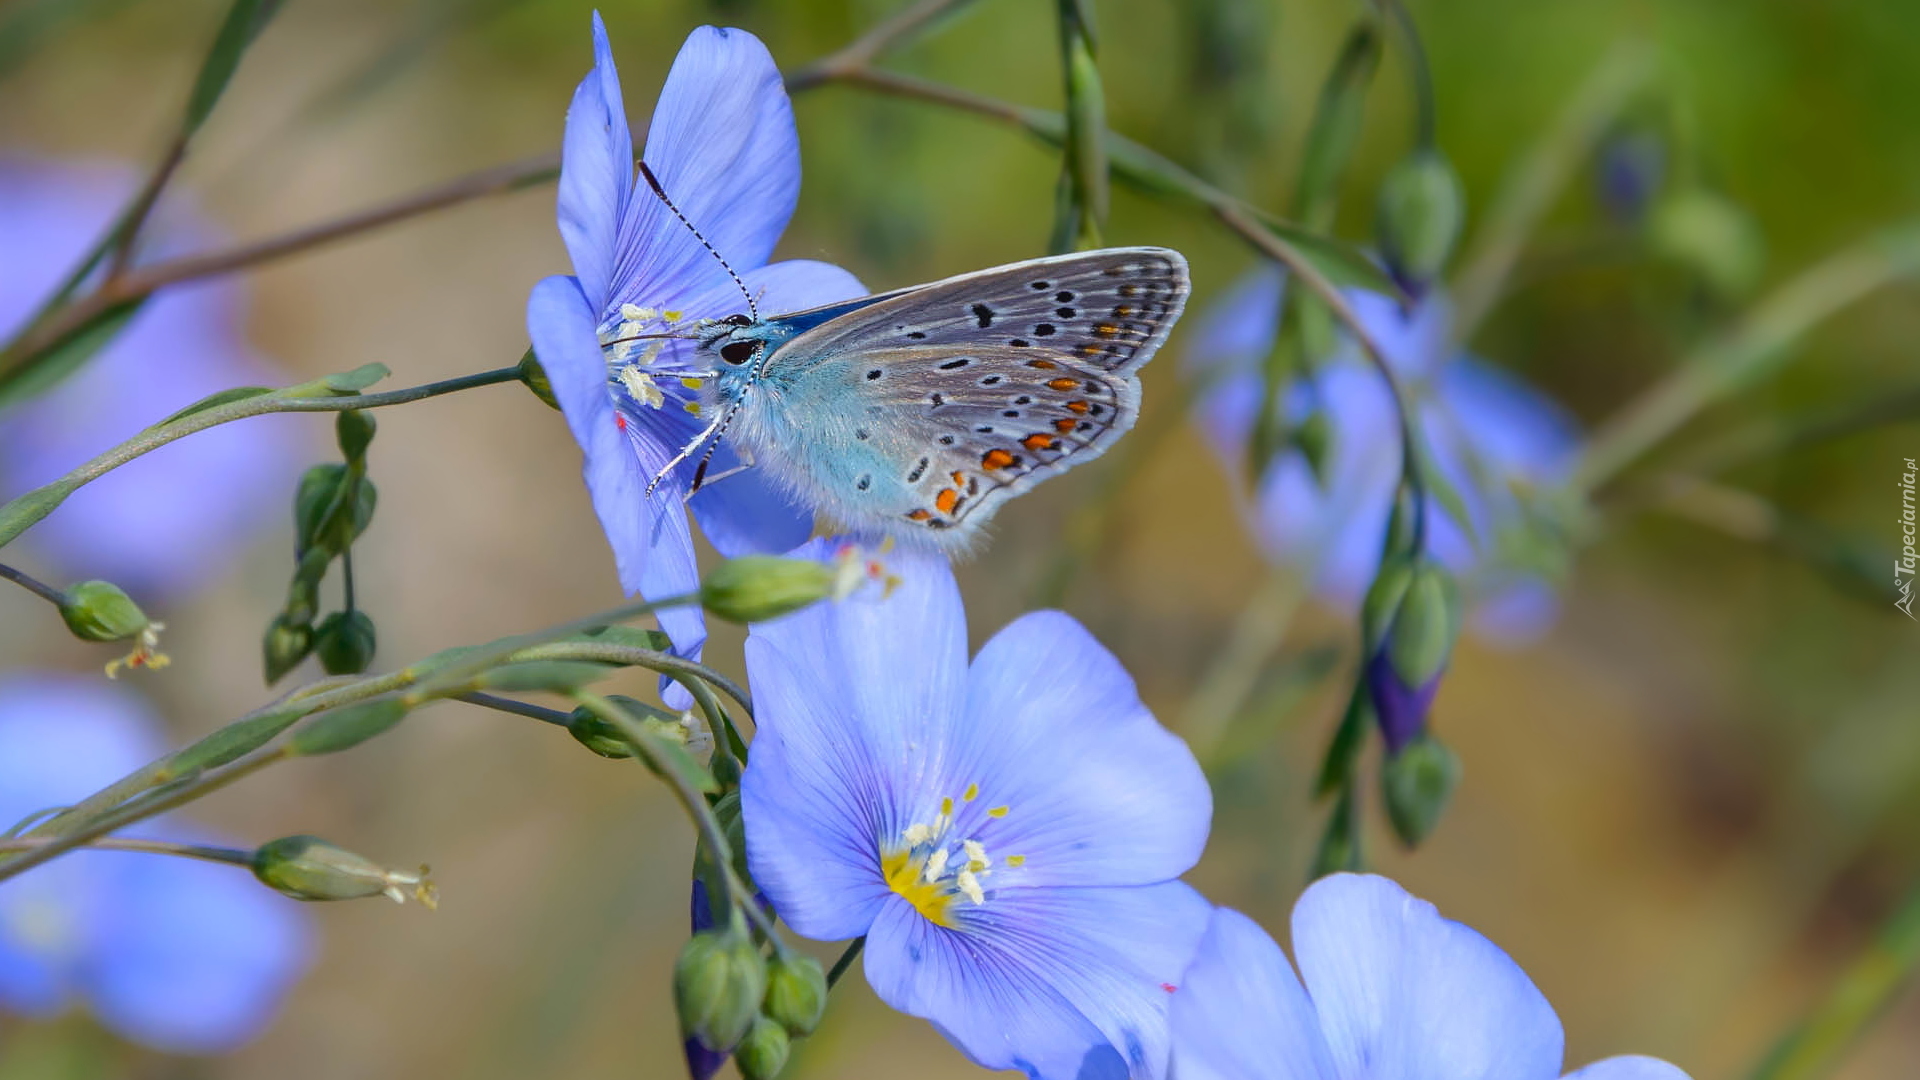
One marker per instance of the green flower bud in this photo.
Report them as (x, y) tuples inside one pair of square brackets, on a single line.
[(353, 430), (796, 993), (345, 642), (287, 643), (1417, 783), (1383, 598), (1712, 236), (309, 868), (535, 378), (763, 1053), (333, 504), (100, 611), (1418, 218), (1425, 628), (717, 986), (754, 588)]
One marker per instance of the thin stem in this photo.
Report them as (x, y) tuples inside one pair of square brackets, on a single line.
[(34, 585), (841, 965), (518, 708), (1422, 75), (652, 659), (1861, 994), (143, 281), (16, 516), (136, 216), (140, 810), (346, 577), (885, 35), (152, 847)]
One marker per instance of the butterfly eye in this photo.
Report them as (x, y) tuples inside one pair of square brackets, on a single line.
[(737, 320), (738, 352)]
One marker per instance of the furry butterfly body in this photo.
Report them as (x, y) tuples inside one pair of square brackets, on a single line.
[(918, 413)]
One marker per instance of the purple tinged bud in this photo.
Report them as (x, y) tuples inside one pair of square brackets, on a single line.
[(1413, 616), (1401, 709), (1628, 174)]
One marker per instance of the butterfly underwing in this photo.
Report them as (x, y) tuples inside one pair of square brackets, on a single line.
[(918, 413)]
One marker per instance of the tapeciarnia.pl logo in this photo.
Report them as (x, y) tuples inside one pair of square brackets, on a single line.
[(1903, 567)]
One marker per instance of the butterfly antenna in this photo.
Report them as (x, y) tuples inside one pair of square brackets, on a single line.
[(700, 471), (654, 183)]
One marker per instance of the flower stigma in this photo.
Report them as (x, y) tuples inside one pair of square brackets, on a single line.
[(931, 870)]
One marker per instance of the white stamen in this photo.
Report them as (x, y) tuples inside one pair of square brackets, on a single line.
[(936, 865), (634, 313), (918, 834), (971, 886), (640, 385), (976, 855)]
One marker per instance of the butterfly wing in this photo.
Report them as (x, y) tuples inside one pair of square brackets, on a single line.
[(920, 414)]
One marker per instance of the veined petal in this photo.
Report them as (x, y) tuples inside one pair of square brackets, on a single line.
[(1060, 983), (189, 957), (1629, 1067), (723, 145), (1241, 1014), (1402, 992), (652, 546), (596, 175), (853, 699), (1073, 774)]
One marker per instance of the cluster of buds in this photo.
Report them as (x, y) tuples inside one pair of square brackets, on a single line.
[(732, 1001), (331, 508), (1411, 619)]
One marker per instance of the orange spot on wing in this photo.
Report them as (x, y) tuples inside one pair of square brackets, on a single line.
[(1063, 385), (1091, 348), (1043, 365), (919, 515), (1077, 406), (996, 459), (1106, 330), (1065, 423), (944, 501), (959, 479), (1038, 442)]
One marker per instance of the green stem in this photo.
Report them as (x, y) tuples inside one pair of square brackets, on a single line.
[(34, 585), (20, 513), (518, 708), (1752, 350), (1862, 993), (887, 34), (841, 965), (1425, 126), (1539, 177), (151, 847)]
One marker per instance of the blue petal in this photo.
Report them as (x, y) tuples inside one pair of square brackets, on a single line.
[(1238, 329), (1515, 610), (1241, 1014), (1095, 791), (190, 957), (1510, 425), (1404, 993), (1414, 342), (596, 175), (853, 700), (1629, 1067), (1056, 982), (723, 146)]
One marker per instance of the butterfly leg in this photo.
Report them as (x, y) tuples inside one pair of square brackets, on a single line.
[(685, 453), (746, 462)]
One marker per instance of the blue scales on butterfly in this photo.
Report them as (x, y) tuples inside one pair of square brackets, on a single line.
[(918, 413)]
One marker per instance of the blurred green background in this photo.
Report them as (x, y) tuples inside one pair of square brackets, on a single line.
[(1683, 810)]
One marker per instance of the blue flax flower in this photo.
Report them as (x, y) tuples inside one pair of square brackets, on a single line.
[(1006, 834), (170, 521), (180, 955), (1488, 433), (1387, 990), (723, 146)]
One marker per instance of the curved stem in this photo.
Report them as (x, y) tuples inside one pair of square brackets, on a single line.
[(20, 513), (885, 35), (34, 585), (841, 965), (230, 856), (518, 708), (1422, 74)]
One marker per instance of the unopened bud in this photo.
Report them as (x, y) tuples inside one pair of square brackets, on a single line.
[(763, 1053), (1418, 219), (286, 644), (755, 588), (1712, 236), (333, 504), (717, 986), (101, 611), (1417, 783), (1412, 616), (1628, 172), (796, 993), (353, 430), (345, 642), (535, 378), (309, 868)]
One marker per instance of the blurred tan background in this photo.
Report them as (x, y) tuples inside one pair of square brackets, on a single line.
[(1683, 810)]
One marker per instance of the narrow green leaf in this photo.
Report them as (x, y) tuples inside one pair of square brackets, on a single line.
[(238, 393), (234, 741), (245, 20), (559, 676), (347, 727), (57, 361), (352, 382), (20, 513)]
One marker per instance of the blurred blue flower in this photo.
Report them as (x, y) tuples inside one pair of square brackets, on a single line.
[(723, 145), (1487, 431), (171, 521), (1007, 835), (180, 955), (1387, 989)]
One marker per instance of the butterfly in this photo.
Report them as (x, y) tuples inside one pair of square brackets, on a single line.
[(918, 413)]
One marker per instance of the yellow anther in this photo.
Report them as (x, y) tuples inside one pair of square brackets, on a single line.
[(946, 807), (1016, 860), (998, 812), (972, 793), (692, 382)]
